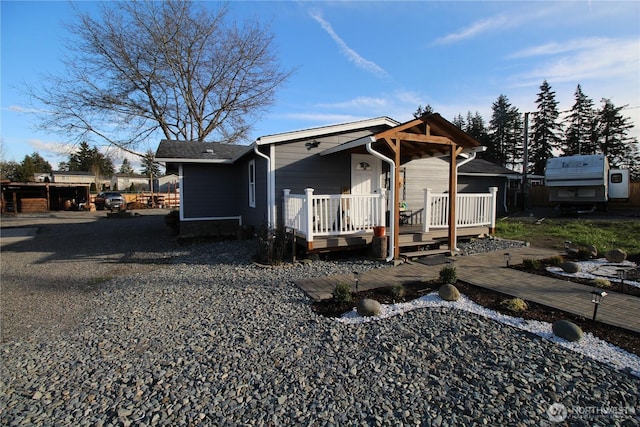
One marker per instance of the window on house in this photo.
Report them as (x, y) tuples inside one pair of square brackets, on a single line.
[(252, 183)]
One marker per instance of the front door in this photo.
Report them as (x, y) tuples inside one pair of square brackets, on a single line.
[(365, 174), (365, 179)]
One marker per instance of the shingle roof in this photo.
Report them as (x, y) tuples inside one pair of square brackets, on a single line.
[(480, 166), (194, 150)]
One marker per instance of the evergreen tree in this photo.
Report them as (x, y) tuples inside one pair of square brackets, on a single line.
[(505, 134), (125, 167), (88, 159), (545, 131), (614, 141), (31, 165), (459, 122), (149, 165), (476, 128), (581, 136), (422, 111)]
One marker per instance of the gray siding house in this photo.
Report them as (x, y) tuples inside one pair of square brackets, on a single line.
[(331, 185)]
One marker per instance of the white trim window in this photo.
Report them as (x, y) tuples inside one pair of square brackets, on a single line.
[(252, 184)]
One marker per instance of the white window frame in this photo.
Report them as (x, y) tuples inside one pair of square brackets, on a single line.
[(252, 184)]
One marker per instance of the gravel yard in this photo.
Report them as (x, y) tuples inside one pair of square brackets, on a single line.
[(108, 322)]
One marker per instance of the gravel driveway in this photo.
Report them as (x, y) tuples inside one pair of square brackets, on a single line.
[(108, 322)]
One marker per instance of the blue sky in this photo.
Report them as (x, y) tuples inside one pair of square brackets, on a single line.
[(358, 60)]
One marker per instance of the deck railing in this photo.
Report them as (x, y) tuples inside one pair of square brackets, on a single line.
[(344, 214), (472, 209), (332, 214)]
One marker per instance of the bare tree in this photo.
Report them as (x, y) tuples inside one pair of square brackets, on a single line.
[(177, 67)]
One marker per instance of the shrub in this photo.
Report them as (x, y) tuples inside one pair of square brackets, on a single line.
[(272, 245), (514, 304), (397, 291), (584, 254), (555, 260), (448, 274), (342, 292), (601, 282), (532, 264)]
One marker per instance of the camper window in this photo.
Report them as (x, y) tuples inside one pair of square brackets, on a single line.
[(616, 178)]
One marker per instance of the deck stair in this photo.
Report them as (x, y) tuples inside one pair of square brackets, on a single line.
[(416, 245)]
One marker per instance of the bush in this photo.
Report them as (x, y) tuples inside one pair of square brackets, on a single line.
[(601, 282), (555, 260), (342, 292), (584, 254), (272, 245), (397, 291), (448, 274), (532, 264), (515, 304)]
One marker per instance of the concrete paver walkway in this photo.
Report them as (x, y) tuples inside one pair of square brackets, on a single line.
[(488, 271)]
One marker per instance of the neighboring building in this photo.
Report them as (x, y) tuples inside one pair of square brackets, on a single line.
[(123, 182), (80, 177), (332, 185)]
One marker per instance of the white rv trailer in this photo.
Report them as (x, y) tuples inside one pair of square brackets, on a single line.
[(584, 181)]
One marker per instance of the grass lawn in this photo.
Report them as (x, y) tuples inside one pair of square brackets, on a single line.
[(603, 234)]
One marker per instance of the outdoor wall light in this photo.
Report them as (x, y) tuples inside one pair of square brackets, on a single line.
[(596, 298), (507, 258)]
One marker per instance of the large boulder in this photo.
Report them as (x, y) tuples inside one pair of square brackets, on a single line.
[(570, 267), (368, 307), (449, 292), (567, 330), (616, 256)]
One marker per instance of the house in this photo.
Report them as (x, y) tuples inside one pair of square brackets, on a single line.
[(123, 182), (333, 185), (80, 178)]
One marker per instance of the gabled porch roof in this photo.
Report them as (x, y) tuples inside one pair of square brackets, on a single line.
[(427, 136)]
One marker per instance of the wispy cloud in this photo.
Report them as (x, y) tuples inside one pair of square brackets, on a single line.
[(322, 117), (555, 48), (351, 54), (20, 109), (474, 29), (359, 102), (582, 59)]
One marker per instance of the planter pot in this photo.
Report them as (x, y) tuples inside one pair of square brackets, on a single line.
[(378, 231)]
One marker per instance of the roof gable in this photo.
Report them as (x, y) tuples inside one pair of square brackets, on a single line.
[(326, 130), (199, 152), (485, 167)]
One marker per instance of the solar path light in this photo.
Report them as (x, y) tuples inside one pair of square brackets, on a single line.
[(596, 298)]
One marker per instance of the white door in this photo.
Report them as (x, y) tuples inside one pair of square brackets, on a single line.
[(365, 179), (365, 174)]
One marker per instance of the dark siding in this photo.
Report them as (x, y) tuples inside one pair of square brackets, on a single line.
[(253, 216), (481, 184), (211, 191)]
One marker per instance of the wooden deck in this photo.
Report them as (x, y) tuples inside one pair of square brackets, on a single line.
[(410, 236)]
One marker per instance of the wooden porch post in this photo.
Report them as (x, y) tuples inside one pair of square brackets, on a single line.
[(396, 200), (453, 190)]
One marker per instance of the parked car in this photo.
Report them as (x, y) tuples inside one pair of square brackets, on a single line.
[(110, 200)]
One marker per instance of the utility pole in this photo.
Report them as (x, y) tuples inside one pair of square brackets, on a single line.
[(525, 164)]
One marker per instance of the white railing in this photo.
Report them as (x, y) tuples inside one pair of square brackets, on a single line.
[(471, 209), (333, 214)]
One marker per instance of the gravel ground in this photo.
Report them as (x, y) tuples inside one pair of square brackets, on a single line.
[(139, 331)]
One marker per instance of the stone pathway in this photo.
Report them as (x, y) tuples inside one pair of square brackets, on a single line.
[(487, 271)]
